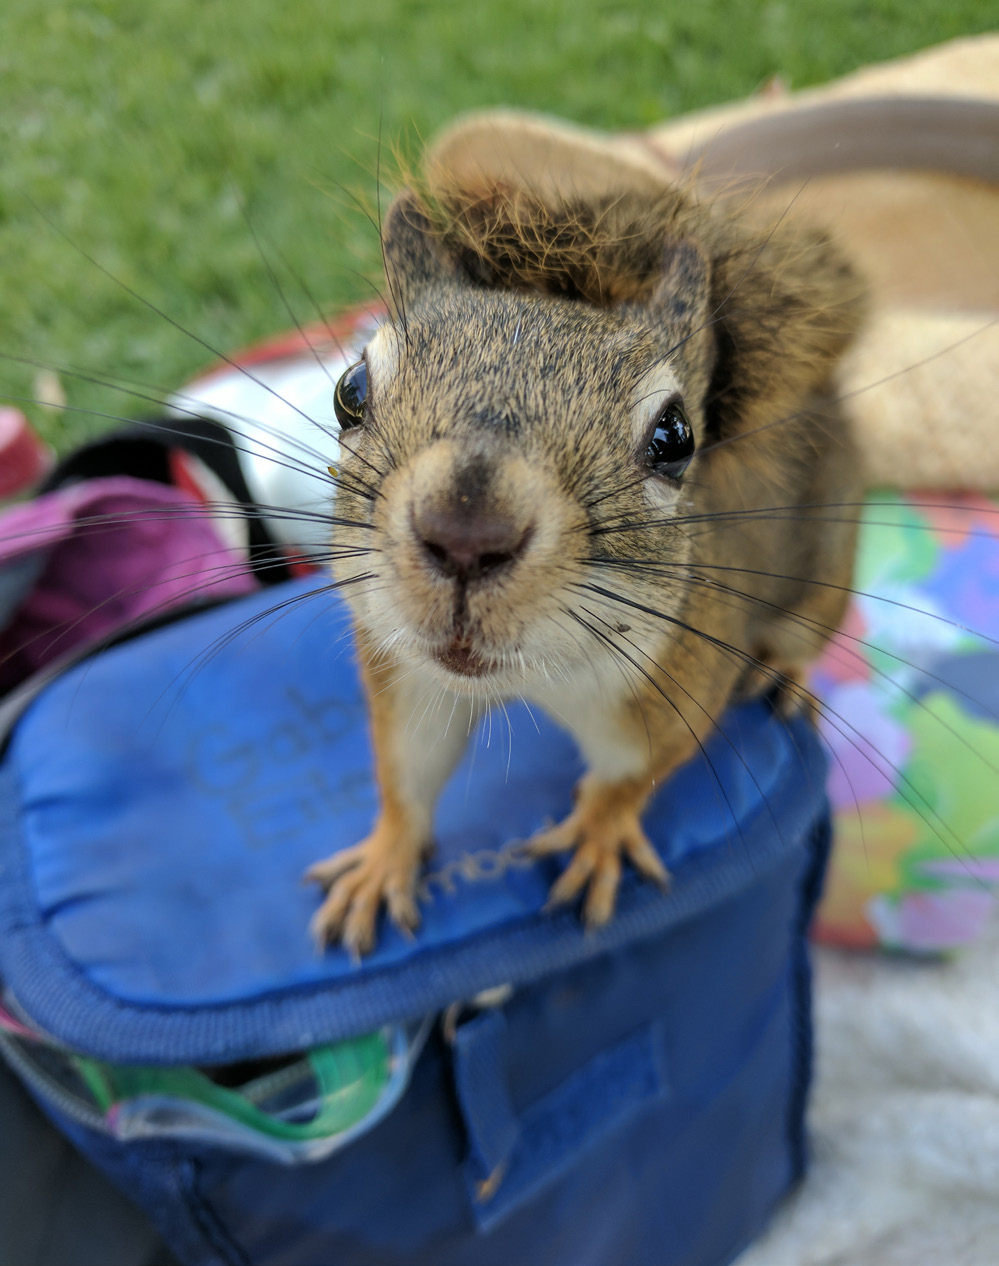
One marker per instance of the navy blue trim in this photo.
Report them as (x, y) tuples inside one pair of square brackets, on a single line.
[(802, 1030)]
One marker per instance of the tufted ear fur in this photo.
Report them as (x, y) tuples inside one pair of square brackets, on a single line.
[(604, 251), (781, 306), (413, 253)]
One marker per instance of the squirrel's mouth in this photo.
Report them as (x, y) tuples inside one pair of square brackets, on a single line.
[(461, 657)]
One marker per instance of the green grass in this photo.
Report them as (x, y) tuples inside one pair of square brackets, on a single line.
[(144, 134)]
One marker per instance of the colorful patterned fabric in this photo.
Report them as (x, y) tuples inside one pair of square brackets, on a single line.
[(910, 703)]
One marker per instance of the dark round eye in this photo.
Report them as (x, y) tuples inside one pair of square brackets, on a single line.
[(672, 444), (351, 392)]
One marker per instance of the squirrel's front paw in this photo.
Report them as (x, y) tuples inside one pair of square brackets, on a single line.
[(358, 881), (600, 837)]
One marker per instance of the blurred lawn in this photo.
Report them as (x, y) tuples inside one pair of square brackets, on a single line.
[(148, 132)]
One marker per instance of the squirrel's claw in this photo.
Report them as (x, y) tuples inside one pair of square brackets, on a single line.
[(358, 881), (600, 843)]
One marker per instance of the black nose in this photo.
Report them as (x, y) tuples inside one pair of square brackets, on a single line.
[(466, 544)]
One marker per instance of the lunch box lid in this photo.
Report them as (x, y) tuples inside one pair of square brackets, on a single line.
[(161, 800)]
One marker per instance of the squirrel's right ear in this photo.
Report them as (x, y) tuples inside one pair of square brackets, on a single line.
[(414, 257)]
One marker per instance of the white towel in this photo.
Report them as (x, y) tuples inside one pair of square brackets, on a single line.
[(904, 1117)]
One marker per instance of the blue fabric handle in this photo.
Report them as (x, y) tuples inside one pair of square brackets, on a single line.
[(481, 1084), (510, 1158)]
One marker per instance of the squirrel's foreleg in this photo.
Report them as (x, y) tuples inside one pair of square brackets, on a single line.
[(665, 710), (419, 730)]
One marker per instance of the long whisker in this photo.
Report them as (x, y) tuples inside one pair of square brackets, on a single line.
[(800, 619), (605, 638), (233, 510), (177, 325), (791, 512), (209, 579), (280, 457), (926, 814), (668, 568), (282, 295), (743, 599), (831, 630), (778, 681), (370, 491), (857, 391), (803, 693), (396, 294), (257, 446), (226, 639), (627, 681), (278, 609)]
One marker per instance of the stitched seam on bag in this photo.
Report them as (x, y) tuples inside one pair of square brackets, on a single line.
[(206, 1218), (801, 1029)]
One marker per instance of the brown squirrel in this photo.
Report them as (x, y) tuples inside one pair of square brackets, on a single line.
[(539, 451)]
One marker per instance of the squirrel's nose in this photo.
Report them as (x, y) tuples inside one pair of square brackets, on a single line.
[(467, 544)]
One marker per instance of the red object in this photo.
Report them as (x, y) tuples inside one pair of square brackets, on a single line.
[(24, 459), (319, 336)]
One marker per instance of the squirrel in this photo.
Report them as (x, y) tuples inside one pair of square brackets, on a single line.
[(539, 449)]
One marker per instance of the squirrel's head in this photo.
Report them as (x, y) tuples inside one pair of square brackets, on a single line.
[(549, 373)]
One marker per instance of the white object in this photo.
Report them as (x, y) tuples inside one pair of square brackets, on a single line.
[(280, 415)]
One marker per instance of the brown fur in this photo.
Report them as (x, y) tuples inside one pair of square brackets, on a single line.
[(512, 388)]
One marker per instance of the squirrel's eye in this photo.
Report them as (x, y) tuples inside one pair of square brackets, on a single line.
[(672, 444), (351, 392)]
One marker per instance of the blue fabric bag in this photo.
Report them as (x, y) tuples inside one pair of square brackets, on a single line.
[(632, 1097)]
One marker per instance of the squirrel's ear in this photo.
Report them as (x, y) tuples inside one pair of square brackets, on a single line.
[(414, 258), (784, 310), (683, 289)]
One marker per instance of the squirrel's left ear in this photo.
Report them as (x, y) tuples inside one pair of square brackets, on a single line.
[(414, 258)]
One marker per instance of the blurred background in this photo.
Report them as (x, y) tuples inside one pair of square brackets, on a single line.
[(191, 146)]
